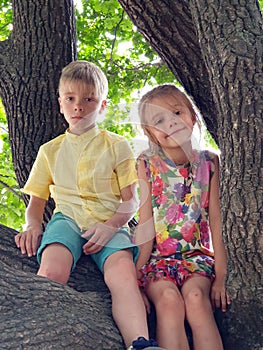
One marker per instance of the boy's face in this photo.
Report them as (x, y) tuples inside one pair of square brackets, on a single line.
[(79, 106)]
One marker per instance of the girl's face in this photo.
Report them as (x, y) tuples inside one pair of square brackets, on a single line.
[(169, 121), (79, 106)]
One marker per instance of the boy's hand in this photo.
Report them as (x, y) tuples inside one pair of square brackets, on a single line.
[(219, 296), (98, 236), (29, 240)]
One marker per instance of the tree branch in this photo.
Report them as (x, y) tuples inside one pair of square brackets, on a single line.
[(11, 190)]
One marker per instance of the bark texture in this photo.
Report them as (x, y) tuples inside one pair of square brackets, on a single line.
[(215, 50), (42, 42), (36, 313)]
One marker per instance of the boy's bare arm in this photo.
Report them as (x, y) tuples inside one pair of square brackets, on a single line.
[(126, 209), (100, 234), (28, 241)]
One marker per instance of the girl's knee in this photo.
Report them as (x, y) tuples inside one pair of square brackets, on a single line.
[(196, 298), (169, 300)]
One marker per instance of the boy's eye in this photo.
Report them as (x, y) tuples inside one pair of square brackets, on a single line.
[(88, 99), (177, 112), (69, 98)]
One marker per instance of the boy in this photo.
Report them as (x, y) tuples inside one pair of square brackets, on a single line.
[(90, 175)]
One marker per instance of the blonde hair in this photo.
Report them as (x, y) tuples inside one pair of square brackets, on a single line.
[(87, 73), (163, 90)]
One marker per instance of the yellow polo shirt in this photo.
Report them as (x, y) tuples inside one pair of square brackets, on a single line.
[(83, 174)]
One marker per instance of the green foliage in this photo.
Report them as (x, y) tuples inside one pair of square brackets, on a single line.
[(107, 37), (116, 121), (209, 142), (5, 19), (12, 207)]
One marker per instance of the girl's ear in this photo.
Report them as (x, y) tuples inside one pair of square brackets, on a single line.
[(150, 136), (146, 133), (103, 105)]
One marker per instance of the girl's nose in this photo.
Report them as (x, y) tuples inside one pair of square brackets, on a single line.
[(172, 121)]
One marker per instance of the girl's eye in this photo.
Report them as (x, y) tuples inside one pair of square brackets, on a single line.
[(177, 112), (157, 122), (69, 99)]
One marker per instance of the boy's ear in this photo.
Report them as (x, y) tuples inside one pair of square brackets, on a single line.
[(59, 102)]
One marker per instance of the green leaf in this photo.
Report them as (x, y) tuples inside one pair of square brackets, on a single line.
[(175, 234)]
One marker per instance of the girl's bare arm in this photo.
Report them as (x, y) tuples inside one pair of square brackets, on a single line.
[(218, 293), (145, 232)]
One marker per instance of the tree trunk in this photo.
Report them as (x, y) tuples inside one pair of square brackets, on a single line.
[(36, 313), (215, 50), (43, 41)]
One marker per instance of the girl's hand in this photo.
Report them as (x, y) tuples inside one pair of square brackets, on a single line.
[(98, 236), (29, 240), (219, 296)]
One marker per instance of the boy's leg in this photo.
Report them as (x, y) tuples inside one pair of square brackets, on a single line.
[(199, 313), (128, 307), (60, 248), (56, 263)]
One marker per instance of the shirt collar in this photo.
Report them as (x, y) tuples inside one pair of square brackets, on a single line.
[(88, 134)]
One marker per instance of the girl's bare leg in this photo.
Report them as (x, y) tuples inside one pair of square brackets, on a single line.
[(199, 314), (170, 312)]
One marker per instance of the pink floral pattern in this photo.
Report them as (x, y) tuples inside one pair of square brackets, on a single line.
[(180, 199)]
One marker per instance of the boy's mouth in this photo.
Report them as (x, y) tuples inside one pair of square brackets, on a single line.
[(77, 117)]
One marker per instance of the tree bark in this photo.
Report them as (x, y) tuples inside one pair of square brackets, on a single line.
[(36, 313), (168, 27), (42, 42), (215, 48)]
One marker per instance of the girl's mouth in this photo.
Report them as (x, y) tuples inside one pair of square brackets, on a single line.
[(176, 131)]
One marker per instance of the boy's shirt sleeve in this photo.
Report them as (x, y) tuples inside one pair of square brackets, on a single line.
[(39, 178), (125, 165)]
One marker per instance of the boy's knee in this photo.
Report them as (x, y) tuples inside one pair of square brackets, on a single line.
[(120, 268), (54, 275)]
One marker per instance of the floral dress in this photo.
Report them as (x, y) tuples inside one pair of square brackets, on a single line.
[(180, 199)]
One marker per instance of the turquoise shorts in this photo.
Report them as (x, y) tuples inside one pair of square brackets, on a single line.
[(62, 229)]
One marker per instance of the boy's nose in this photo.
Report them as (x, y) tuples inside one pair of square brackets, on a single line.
[(78, 108)]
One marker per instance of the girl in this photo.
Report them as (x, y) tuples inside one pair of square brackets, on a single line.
[(182, 263)]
